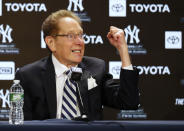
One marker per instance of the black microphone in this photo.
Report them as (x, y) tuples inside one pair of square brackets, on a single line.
[(76, 74), (76, 77)]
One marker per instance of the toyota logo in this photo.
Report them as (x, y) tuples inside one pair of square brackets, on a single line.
[(173, 40), (116, 70), (117, 7)]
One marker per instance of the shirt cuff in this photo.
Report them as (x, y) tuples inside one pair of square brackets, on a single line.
[(130, 67)]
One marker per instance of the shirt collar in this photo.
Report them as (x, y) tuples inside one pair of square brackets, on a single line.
[(59, 68)]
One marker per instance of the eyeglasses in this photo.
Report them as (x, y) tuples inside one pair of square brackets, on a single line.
[(70, 36)]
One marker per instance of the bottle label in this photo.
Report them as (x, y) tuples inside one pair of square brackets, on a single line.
[(16, 97)]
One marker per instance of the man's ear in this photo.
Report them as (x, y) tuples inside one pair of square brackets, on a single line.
[(49, 40)]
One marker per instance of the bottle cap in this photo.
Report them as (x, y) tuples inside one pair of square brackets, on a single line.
[(84, 116), (16, 81)]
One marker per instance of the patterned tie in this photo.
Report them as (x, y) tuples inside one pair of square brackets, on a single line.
[(69, 103)]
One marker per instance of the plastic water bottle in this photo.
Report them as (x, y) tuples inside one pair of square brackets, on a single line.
[(16, 116)]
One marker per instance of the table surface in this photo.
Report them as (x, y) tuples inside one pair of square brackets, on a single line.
[(58, 125)]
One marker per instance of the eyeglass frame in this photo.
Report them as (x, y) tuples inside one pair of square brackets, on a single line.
[(70, 36)]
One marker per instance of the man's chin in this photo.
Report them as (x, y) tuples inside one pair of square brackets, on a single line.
[(77, 61)]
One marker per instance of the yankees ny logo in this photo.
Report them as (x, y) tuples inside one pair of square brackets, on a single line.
[(5, 98), (77, 3), (132, 33), (6, 33)]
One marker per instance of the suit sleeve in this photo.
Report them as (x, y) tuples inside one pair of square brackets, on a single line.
[(124, 94), (27, 108)]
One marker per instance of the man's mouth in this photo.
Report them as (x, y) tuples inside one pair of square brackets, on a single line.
[(76, 51)]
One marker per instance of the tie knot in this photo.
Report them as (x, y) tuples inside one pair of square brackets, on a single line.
[(68, 72)]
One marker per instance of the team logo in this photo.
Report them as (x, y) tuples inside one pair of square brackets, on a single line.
[(5, 104), (132, 37), (173, 39), (6, 45), (132, 34), (76, 4), (4, 97), (77, 7), (6, 33)]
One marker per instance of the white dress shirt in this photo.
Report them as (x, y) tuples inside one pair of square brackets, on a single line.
[(61, 77), (130, 67)]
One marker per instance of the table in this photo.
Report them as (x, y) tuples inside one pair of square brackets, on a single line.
[(67, 125)]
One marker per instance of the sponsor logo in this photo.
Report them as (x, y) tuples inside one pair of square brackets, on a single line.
[(7, 70), (23, 7), (149, 8), (173, 39), (115, 68), (179, 101), (26, 7), (132, 114), (154, 70), (132, 38), (117, 8), (93, 39), (7, 47), (77, 7)]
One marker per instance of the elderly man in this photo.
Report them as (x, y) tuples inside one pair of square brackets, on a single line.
[(51, 93)]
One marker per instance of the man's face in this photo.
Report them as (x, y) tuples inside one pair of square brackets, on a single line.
[(69, 51)]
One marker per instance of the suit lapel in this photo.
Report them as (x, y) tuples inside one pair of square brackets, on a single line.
[(83, 86), (48, 75)]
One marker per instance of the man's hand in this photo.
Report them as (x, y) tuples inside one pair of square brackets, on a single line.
[(117, 39)]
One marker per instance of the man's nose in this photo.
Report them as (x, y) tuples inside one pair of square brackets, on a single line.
[(79, 40)]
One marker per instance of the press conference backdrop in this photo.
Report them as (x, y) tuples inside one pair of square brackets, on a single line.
[(153, 31)]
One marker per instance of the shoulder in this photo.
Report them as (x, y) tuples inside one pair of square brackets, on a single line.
[(93, 61), (94, 65), (32, 71), (39, 64)]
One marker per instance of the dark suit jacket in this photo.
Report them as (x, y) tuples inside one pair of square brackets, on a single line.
[(38, 81)]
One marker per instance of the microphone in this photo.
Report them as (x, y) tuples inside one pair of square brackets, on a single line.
[(76, 77), (76, 74)]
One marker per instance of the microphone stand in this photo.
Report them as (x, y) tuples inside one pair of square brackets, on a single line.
[(76, 77)]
